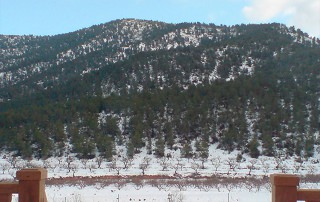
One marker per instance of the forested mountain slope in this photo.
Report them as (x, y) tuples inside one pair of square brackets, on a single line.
[(252, 88)]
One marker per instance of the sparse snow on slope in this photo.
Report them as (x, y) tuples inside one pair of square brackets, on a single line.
[(126, 189)]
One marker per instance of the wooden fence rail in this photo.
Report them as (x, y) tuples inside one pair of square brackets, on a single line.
[(30, 186), (285, 189)]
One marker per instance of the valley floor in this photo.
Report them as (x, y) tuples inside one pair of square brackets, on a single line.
[(220, 178)]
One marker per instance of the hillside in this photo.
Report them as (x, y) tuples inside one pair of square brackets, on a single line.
[(158, 86)]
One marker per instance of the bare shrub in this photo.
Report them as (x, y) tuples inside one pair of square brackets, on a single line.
[(13, 161), (182, 186), (112, 165), (127, 162), (312, 169), (297, 166), (251, 165), (21, 165), (176, 197), (49, 165), (74, 168), (160, 184), (5, 166), (137, 183), (77, 198), (120, 184), (145, 164), (265, 166), (99, 161), (143, 167), (195, 166), (92, 166), (232, 164), (84, 163), (69, 160), (216, 162), (164, 163)]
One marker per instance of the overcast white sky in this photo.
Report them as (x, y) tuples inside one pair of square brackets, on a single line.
[(49, 17)]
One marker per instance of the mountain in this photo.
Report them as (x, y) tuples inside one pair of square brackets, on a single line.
[(138, 83)]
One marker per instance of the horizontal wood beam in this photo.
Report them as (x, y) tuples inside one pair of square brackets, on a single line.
[(9, 188), (309, 195)]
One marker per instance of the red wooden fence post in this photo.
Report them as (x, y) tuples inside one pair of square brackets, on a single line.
[(5, 197), (32, 185), (284, 187)]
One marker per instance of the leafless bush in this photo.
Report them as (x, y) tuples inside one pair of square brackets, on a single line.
[(74, 168), (164, 163), (120, 184), (49, 165), (178, 165), (204, 185), (143, 167), (137, 183), (147, 161), (77, 198), (265, 166), (312, 169), (127, 162), (84, 163), (216, 162), (5, 166), (232, 164), (252, 165), (145, 164), (249, 186), (99, 161), (33, 164), (112, 165), (92, 166), (278, 162), (284, 168), (229, 185), (195, 166), (203, 160), (21, 165), (182, 186), (160, 184), (69, 160), (118, 168), (13, 161), (310, 178), (176, 197)]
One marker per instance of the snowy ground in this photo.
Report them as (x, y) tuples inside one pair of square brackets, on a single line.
[(129, 193), (149, 194), (220, 164)]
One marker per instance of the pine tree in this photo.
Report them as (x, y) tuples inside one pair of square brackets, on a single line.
[(253, 147), (160, 147), (309, 145), (169, 137), (130, 149), (186, 151), (267, 144), (298, 146), (204, 152)]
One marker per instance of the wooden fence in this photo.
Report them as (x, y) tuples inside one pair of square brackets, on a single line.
[(285, 189), (30, 186)]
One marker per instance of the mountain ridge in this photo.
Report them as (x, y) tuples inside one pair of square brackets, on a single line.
[(123, 47), (252, 88)]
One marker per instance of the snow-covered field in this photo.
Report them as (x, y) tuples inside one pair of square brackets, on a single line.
[(129, 193), (188, 179)]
